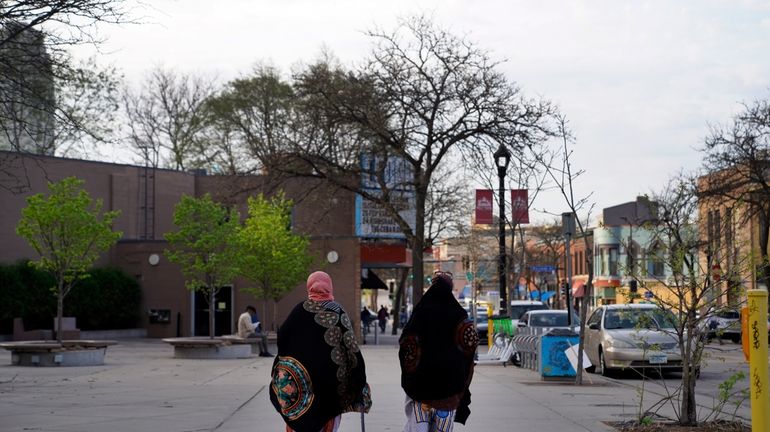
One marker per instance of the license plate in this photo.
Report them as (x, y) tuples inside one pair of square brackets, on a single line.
[(657, 358)]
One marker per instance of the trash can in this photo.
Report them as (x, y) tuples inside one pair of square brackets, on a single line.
[(554, 362)]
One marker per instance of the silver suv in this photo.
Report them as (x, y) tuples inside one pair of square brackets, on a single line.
[(519, 307)]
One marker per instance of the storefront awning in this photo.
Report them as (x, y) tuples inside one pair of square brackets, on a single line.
[(579, 290), (369, 280)]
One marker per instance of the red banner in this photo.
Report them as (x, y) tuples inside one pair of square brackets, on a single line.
[(484, 206), (519, 206)]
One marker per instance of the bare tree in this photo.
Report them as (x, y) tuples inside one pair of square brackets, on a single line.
[(547, 246), (255, 114), (167, 118), (446, 205), (736, 159), (422, 95), (689, 290), (39, 79), (562, 175)]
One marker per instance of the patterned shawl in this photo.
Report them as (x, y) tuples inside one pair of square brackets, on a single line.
[(319, 372), (436, 351)]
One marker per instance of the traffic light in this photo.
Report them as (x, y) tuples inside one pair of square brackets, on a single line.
[(632, 286)]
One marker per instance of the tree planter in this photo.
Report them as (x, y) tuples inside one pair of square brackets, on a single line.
[(51, 353), (210, 349)]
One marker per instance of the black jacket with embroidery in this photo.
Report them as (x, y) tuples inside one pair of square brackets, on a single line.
[(319, 371)]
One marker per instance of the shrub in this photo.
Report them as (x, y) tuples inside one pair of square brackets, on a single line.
[(28, 293), (106, 299)]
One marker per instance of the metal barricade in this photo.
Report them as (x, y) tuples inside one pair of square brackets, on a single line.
[(527, 346)]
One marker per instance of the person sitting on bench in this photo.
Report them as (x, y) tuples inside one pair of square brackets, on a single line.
[(249, 327)]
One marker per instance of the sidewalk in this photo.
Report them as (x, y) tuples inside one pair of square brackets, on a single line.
[(142, 387)]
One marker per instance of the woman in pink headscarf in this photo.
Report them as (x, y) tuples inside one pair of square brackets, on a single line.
[(319, 372)]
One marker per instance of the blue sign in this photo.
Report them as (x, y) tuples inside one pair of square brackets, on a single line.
[(543, 268), (648, 295)]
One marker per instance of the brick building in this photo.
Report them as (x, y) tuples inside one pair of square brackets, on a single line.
[(146, 198)]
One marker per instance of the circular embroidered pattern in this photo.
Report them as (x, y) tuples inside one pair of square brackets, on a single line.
[(346, 322), (410, 353), (327, 319), (350, 341), (342, 374), (466, 337), (338, 356), (333, 336), (312, 306), (292, 387)]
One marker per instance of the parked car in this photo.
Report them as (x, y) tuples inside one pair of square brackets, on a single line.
[(547, 319), (638, 336), (519, 307), (540, 321)]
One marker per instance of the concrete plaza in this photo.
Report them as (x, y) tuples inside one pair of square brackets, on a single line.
[(143, 388)]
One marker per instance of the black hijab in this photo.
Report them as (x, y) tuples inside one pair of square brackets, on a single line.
[(436, 351)]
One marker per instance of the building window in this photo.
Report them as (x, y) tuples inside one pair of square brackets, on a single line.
[(656, 260), (609, 260), (603, 262)]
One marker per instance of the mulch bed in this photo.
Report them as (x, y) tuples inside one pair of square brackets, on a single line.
[(717, 426)]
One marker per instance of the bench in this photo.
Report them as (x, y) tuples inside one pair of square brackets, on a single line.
[(51, 353), (223, 347), (254, 342), (70, 329), (22, 334)]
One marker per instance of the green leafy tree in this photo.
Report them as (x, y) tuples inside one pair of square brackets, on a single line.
[(69, 231), (273, 258), (204, 246)]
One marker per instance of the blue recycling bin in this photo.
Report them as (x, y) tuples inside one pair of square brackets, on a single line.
[(553, 359)]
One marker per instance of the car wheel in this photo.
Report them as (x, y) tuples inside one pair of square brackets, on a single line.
[(735, 339), (604, 371)]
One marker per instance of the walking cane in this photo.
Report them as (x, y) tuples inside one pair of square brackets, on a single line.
[(363, 426)]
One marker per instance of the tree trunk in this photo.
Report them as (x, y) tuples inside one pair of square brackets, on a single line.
[(688, 414), (764, 233), (588, 289), (272, 321), (418, 244), (397, 301), (212, 308), (265, 299), (59, 310)]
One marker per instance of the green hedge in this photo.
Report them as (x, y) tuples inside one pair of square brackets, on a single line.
[(106, 299)]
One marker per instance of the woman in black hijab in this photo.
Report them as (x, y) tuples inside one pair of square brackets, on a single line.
[(436, 353)]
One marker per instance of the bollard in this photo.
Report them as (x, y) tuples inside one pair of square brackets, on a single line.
[(757, 327)]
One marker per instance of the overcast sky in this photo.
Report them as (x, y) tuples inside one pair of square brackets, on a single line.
[(639, 81)]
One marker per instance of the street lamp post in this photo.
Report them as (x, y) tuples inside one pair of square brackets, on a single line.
[(502, 159)]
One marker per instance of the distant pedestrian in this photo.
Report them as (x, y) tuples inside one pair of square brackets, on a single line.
[(319, 373), (366, 319), (436, 354), (249, 327), (382, 317)]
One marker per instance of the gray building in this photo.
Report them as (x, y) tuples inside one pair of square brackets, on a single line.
[(27, 92)]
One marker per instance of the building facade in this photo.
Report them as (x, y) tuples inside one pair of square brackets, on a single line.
[(146, 200)]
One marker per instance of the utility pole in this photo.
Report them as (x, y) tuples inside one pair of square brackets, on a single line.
[(568, 228)]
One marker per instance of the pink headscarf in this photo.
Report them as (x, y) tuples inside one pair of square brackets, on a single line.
[(319, 286)]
